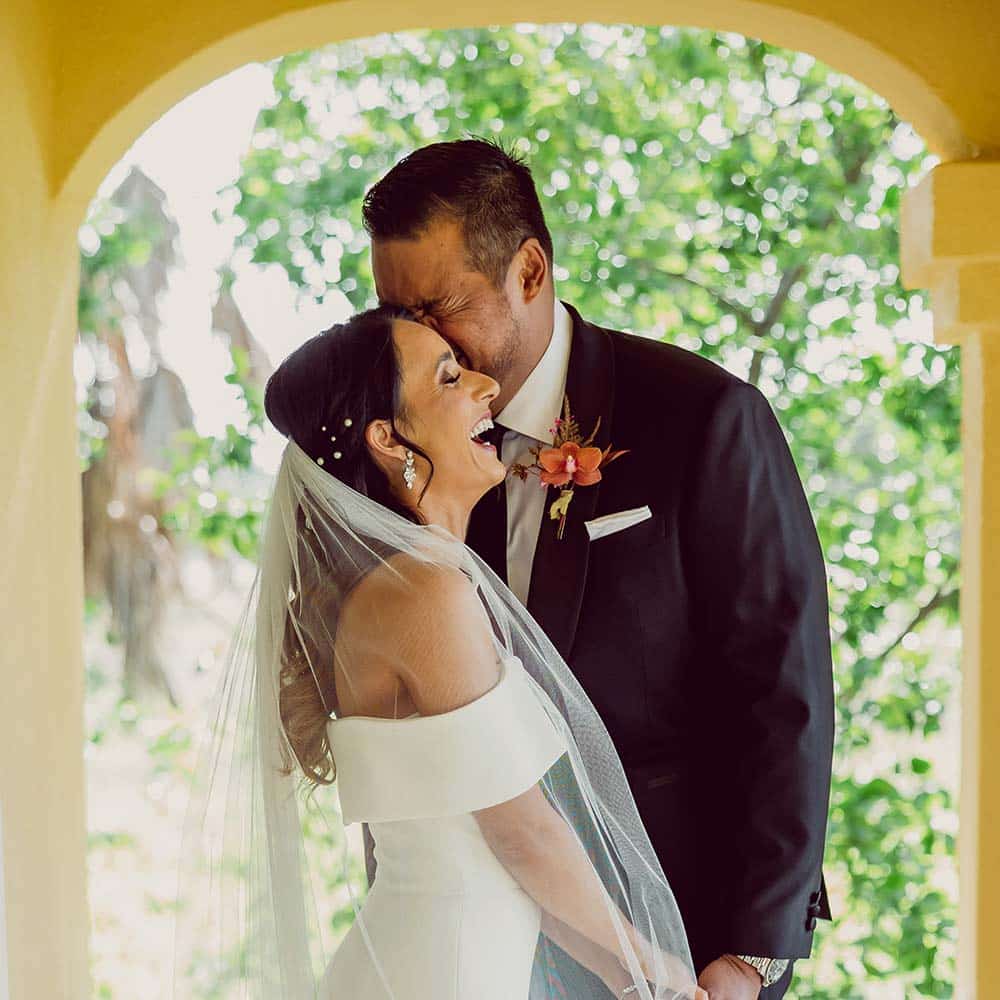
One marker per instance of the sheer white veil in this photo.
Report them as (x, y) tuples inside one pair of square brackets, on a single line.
[(259, 836)]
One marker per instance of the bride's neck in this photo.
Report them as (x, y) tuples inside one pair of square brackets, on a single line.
[(449, 513)]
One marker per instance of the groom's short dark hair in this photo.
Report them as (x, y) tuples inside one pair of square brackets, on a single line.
[(486, 188)]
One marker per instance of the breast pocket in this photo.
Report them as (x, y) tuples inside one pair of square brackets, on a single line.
[(627, 552), (618, 521)]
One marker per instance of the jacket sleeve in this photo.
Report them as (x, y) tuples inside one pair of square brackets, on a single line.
[(761, 608)]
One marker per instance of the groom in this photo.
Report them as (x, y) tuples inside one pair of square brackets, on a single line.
[(688, 593)]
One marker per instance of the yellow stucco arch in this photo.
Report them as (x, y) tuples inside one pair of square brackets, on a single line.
[(80, 83), (262, 30)]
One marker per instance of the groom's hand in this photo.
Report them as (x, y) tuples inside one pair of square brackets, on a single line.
[(730, 978)]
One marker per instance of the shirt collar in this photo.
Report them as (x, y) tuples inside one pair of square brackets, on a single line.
[(535, 406)]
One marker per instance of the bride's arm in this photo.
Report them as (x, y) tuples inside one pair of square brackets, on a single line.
[(599, 960), (545, 856), (536, 845)]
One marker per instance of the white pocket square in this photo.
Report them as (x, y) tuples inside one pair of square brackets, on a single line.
[(609, 523)]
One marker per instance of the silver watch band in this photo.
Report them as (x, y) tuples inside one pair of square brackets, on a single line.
[(770, 969)]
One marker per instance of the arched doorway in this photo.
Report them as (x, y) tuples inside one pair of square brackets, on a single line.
[(121, 95)]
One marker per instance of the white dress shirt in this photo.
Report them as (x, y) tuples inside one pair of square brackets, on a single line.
[(530, 415)]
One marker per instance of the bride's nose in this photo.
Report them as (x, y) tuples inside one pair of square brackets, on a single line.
[(488, 388)]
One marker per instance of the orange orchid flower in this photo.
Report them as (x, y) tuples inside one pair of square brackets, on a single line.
[(570, 462)]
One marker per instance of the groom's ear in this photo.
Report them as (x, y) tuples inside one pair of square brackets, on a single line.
[(529, 268)]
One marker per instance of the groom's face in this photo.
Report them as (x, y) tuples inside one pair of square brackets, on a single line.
[(431, 275)]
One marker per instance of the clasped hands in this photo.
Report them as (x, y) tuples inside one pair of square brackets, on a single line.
[(730, 978), (658, 967), (727, 978)]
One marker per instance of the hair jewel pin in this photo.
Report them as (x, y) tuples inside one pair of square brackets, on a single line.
[(333, 437)]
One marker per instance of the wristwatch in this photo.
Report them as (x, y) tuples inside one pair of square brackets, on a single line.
[(770, 969)]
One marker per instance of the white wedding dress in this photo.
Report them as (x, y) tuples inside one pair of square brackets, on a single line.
[(446, 920)]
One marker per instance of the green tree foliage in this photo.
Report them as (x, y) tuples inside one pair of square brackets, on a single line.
[(215, 497), (741, 201)]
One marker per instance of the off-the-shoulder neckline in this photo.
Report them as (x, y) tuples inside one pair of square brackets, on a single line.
[(504, 674)]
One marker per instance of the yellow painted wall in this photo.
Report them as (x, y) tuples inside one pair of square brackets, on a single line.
[(80, 82), (909, 53), (979, 803), (41, 762)]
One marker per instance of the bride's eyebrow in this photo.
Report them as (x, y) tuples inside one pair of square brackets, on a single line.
[(446, 356)]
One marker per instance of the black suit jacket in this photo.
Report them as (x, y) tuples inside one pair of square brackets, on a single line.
[(701, 634)]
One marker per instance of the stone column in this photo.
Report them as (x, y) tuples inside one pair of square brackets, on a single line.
[(951, 246)]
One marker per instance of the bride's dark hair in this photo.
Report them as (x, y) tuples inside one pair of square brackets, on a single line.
[(332, 387), (350, 373)]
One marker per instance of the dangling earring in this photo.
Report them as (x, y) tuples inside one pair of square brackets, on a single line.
[(409, 473)]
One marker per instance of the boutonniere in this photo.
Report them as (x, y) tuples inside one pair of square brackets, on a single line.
[(569, 463)]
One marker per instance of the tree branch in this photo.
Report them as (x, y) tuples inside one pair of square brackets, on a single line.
[(771, 317), (777, 303), (942, 598), (720, 297)]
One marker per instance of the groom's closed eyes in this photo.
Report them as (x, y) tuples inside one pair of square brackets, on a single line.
[(423, 311), (421, 308), (441, 308), (420, 311), (460, 356)]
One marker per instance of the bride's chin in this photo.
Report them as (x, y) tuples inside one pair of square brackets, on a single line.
[(500, 474), (486, 479), (492, 464)]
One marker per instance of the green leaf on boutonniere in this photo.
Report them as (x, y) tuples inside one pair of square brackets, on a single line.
[(560, 506)]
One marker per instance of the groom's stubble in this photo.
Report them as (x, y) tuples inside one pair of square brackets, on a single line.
[(506, 364), (516, 346)]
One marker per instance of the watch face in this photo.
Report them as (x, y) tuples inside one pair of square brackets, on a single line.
[(770, 969), (775, 970)]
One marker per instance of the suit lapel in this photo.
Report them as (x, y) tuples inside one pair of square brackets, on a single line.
[(559, 568)]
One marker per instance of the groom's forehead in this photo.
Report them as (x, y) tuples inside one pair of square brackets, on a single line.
[(417, 272), (410, 280)]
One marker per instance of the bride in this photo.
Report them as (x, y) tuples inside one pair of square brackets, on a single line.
[(382, 667)]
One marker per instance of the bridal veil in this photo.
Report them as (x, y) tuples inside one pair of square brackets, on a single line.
[(261, 841)]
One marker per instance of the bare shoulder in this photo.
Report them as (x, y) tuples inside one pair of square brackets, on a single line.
[(416, 587), (426, 619)]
